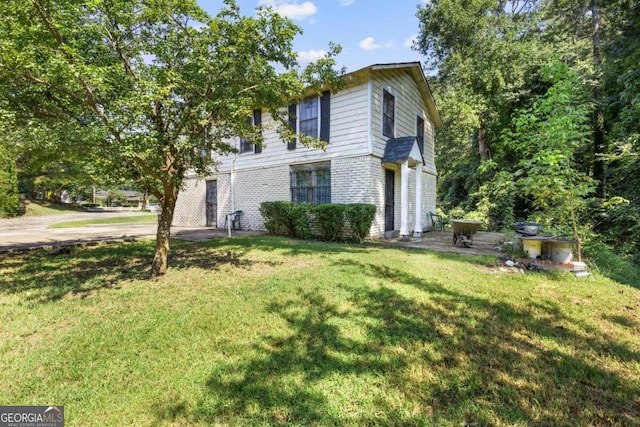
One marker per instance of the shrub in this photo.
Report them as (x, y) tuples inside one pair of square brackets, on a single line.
[(286, 218), (330, 220), (327, 221), (360, 217)]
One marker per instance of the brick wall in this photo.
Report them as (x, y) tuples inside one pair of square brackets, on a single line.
[(191, 204), (251, 188), (353, 180)]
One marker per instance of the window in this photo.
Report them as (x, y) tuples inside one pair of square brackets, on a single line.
[(246, 146), (311, 184), (311, 118), (420, 133), (388, 114)]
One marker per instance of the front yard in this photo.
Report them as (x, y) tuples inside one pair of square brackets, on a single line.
[(271, 331)]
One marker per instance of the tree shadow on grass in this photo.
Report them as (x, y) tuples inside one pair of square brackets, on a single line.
[(441, 357), (84, 270)]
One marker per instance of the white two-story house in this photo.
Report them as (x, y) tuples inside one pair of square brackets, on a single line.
[(380, 128)]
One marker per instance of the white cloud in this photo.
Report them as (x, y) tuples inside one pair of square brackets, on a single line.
[(411, 41), (305, 57), (293, 10), (347, 2), (370, 44)]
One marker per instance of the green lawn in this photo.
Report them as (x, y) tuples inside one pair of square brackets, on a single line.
[(42, 207), (270, 331)]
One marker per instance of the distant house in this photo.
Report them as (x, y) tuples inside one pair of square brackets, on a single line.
[(380, 128)]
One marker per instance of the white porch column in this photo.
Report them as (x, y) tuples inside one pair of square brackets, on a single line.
[(404, 200), (417, 231)]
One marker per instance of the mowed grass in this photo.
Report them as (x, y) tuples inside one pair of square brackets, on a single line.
[(43, 207), (270, 331), (137, 219)]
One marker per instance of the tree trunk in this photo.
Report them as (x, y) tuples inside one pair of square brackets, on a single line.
[(168, 203)]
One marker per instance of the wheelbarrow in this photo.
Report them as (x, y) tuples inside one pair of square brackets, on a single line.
[(463, 231)]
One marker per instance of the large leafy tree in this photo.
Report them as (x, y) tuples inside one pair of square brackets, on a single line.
[(150, 87), (547, 137), (483, 52)]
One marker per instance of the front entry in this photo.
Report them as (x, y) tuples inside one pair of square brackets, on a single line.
[(389, 199), (212, 204)]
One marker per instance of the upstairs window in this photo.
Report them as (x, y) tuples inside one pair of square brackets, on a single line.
[(388, 114), (246, 146), (309, 113), (311, 183), (311, 118), (420, 133)]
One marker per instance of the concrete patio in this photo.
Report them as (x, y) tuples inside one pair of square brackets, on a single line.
[(484, 243)]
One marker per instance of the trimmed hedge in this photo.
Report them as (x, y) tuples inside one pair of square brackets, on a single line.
[(330, 222)]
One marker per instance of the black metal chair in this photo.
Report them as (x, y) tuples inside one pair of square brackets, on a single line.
[(235, 220), (436, 221)]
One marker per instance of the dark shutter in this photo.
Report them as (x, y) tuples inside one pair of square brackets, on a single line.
[(257, 121), (325, 119), (291, 144)]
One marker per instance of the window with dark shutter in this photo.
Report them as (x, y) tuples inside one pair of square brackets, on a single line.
[(420, 133), (325, 115), (388, 114), (257, 121), (308, 114), (246, 144), (293, 125)]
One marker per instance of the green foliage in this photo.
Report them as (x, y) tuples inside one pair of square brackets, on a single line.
[(360, 216), (496, 201), (604, 259), (330, 217), (325, 221), (9, 201), (618, 225), (287, 219), (151, 85), (547, 136)]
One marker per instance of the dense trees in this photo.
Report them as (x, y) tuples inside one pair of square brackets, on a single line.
[(147, 89), (540, 100)]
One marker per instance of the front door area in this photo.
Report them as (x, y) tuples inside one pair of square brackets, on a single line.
[(212, 203), (389, 199)]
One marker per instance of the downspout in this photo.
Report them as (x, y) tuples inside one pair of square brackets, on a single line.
[(370, 114), (233, 196)]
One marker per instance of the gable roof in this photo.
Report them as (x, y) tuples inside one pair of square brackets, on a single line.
[(416, 72), (398, 150)]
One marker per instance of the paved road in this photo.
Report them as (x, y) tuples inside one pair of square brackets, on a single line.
[(30, 232)]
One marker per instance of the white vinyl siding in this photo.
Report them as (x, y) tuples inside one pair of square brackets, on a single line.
[(348, 136)]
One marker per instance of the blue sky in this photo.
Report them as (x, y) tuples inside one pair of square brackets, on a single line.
[(370, 31)]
